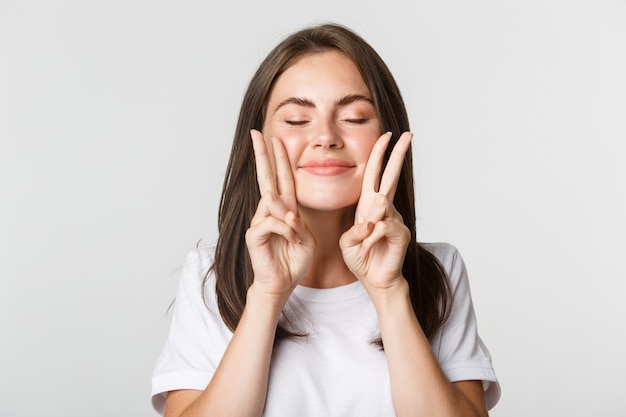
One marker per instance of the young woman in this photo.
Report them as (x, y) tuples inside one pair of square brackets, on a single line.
[(317, 299)]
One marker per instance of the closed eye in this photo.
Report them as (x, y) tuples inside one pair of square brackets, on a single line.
[(359, 121), (296, 122)]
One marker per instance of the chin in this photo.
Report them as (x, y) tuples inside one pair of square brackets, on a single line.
[(330, 205), (328, 198)]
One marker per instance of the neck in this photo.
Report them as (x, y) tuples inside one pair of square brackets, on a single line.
[(328, 269)]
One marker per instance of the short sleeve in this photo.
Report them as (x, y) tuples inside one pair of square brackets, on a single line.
[(460, 351), (197, 336)]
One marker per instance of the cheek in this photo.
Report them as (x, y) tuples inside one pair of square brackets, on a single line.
[(363, 148), (294, 149), (291, 141)]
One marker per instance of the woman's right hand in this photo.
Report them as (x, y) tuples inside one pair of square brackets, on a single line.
[(281, 246)]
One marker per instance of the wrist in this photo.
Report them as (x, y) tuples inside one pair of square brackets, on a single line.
[(262, 301), (392, 296)]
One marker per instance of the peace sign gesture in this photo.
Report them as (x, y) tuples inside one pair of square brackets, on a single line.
[(281, 246), (374, 248)]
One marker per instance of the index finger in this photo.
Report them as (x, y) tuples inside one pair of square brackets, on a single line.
[(264, 172), (389, 181)]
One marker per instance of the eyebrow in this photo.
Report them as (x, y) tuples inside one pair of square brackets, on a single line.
[(300, 101)]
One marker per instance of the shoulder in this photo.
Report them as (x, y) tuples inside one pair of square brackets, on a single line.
[(201, 257), (450, 259), (198, 261), (196, 286), (459, 350), (196, 273), (445, 253)]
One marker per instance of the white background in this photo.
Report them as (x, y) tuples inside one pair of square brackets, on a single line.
[(115, 124)]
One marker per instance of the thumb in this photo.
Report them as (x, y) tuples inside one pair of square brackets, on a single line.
[(355, 235)]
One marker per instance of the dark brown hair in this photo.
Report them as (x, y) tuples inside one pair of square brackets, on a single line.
[(428, 284)]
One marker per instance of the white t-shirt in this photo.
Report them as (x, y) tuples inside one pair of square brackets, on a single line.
[(334, 370)]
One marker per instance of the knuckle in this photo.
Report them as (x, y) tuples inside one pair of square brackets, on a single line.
[(269, 196), (388, 227), (381, 198), (382, 227), (250, 234)]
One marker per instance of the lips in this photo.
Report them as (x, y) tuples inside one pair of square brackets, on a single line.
[(326, 166)]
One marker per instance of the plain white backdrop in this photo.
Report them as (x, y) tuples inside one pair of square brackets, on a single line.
[(115, 125)]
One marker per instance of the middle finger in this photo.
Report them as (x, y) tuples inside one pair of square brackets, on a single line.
[(371, 177), (390, 178)]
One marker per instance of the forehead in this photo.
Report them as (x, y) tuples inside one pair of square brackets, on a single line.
[(320, 74)]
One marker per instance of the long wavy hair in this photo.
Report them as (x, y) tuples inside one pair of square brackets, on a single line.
[(428, 285)]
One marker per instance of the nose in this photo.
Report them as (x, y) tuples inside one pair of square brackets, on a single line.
[(326, 135)]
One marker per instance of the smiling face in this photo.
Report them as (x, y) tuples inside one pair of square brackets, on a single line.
[(321, 110)]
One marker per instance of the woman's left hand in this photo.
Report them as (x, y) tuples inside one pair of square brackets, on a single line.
[(375, 247)]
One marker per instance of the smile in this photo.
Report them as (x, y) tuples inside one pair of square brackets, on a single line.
[(326, 166)]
